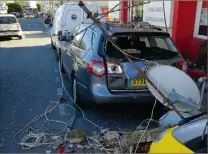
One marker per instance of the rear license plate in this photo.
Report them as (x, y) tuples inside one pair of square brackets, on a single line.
[(138, 82)]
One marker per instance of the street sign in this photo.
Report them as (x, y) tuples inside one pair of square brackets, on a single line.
[(116, 14), (153, 13)]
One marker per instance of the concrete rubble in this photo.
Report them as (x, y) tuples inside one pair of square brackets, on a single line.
[(114, 141), (75, 136)]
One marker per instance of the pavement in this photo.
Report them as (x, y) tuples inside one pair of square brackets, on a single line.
[(30, 82)]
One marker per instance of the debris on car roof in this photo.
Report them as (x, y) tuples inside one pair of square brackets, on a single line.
[(136, 25)]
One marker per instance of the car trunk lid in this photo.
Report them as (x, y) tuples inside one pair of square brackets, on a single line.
[(122, 75)]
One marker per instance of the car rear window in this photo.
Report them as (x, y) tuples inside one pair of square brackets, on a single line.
[(8, 20), (144, 47)]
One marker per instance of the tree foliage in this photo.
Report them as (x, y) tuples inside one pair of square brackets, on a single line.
[(35, 11), (20, 2), (14, 7), (39, 7)]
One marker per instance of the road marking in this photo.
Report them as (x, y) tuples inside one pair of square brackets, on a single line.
[(28, 24), (59, 91), (36, 24)]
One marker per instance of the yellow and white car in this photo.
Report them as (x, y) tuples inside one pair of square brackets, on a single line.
[(186, 138)]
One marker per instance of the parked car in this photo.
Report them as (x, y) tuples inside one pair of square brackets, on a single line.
[(101, 74), (9, 26), (48, 19), (16, 14), (22, 14), (66, 18), (190, 137)]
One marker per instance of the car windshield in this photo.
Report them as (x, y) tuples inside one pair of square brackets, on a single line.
[(148, 47), (8, 20)]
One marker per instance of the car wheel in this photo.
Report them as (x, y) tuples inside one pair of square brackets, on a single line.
[(52, 46), (61, 64), (58, 54), (20, 37), (75, 98)]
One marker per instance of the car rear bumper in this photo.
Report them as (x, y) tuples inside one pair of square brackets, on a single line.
[(99, 94), (10, 33)]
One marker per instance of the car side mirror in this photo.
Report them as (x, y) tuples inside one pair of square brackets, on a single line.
[(69, 38)]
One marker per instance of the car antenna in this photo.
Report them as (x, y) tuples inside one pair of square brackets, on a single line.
[(98, 24)]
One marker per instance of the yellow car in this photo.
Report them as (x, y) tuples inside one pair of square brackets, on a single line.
[(185, 138)]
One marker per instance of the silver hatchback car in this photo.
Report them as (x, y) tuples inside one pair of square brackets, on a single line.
[(101, 74)]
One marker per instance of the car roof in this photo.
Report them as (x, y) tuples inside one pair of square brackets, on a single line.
[(7, 15), (129, 31), (140, 31)]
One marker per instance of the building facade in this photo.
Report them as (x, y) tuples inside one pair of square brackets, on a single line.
[(189, 27), (186, 22)]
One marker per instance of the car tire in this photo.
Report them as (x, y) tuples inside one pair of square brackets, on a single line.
[(20, 37), (77, 101), (61, 65), (52, 46), (58, 54)]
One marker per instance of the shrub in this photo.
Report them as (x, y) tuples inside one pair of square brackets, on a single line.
[(14, 7), (39, 7)]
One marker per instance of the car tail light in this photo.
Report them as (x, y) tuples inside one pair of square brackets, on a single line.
[(97, 68), (59, 35), (114, 68), (18, 26)]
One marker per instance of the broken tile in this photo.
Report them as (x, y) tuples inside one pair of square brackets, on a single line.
[(111, 135), (75, 140), (79, 146), (103, 131), (75, 136)]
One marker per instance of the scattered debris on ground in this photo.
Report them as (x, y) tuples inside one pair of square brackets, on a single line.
[(106, 141)]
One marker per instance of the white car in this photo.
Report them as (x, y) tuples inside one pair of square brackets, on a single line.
[(67, 17), (9, 26)]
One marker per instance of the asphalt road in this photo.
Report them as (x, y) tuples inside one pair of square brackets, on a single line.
[(30, 82)]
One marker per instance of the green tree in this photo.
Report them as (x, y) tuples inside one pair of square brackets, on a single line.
[(20, 2), (35, 11), (39, 7), (14, 7)]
